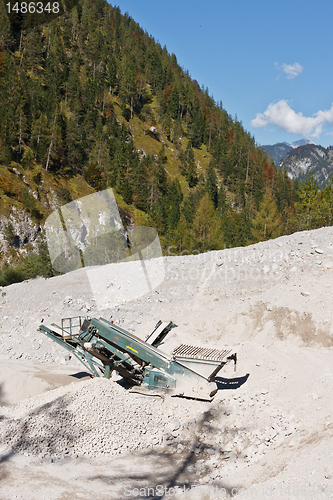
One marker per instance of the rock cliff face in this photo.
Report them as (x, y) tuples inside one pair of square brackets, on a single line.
[(301, 160), (18, 231)]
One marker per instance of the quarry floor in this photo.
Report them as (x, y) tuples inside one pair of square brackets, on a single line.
[(267, 433)]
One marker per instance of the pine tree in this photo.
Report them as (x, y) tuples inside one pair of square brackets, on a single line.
[(206, 226), (327, 204), (230, 227), (308, 207), (211, 185), (222, 203), (197, 128), (139, 183), (174, 199), (191, 170), (244, 225), (174, 103), (267, 222), (182, 237)]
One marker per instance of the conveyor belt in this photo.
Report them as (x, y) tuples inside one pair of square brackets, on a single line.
[(103, 347), (192, 352)]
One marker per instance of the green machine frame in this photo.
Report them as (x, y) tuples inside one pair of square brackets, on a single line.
[(103, 347)]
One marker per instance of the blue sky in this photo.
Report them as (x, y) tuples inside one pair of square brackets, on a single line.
[(269, 62)]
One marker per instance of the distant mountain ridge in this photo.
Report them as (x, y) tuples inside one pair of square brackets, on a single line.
[(300, 161), (301, 142), (280, 149), (300, 157)]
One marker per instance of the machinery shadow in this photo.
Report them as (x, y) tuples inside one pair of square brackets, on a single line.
[(230, 383), (80, 375)]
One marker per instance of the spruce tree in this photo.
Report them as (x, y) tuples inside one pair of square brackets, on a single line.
[(174, 103), (211, 185), (191, 170), (222, 203), (182, 236), (266, 221), (308, 207), (206, 227), (173, 203)]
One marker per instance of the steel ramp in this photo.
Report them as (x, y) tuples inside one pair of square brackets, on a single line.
[(194, 352), (202, 360)]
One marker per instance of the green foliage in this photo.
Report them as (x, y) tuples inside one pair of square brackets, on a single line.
[(313, 208), (190, 169), (28, 200), (93, 176), (230, 229), (31, 266), (79, 98), (206, 227), (11, 275), (266, 221), (181, 237), (308, 210), (27, 157), (211, 185)]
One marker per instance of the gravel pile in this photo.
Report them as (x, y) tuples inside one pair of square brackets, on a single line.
[(94, 417), (99, 417)]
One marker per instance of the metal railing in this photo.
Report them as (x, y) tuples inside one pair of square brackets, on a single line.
[(71, 327)]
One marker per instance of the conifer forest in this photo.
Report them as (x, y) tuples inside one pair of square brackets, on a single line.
[(91, 101)]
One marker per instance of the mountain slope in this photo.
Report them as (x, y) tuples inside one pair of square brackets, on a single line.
[(300, 161), (90, 101), (278, 151)]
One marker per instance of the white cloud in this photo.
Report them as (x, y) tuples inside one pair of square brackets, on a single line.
[(283, 116), (326, 116), (290, 70)]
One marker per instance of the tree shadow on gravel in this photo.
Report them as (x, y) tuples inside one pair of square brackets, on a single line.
[(3, 474), (179, 466), (40, 431), (2, 401)]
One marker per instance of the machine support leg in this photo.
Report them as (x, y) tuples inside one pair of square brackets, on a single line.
[(107, 373)]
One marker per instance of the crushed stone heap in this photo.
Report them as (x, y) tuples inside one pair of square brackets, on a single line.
[(91, 418)]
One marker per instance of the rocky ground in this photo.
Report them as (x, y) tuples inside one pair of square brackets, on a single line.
[(268, 431)]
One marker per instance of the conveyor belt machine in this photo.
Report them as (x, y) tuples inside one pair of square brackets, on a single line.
[(103, 347)]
